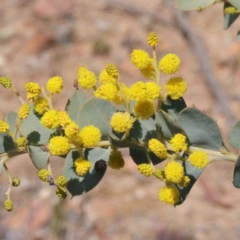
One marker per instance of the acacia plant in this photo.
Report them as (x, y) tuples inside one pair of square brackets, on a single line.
[(149, 117)]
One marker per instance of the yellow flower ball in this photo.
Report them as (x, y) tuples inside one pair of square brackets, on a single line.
[(41, 105), (24, 111), (152, 39), (82, 166), (4, 127), (59, 146), (86, 79), (157, 148), (148, 72), (160, 174), (71, 130), (22, 141), (145, 169), (32, 87), (169, 194), (199, 159), (63, 118), (112, 71), (55, 85), (116, 160), (90, 136), (176, 87), (140, 59), (169, 64), (122, 121), (61, 193), (61, 181), (43, 174), (6, 82), (50, 119), (106, 91), (174, 172), (8, 205), (179, 143), (104, 77), (144, 109)]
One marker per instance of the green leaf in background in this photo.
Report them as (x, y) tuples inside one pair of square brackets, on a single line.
[(75, 103), (228, 19), (187, 5), (38, 156), (236, 173), (78, 185), (173, 107), (11, 119), (234, 136), (235, 3), (34, 130), (7, 144), (97, 112), (193, 173), (201, 129), (167, 126)]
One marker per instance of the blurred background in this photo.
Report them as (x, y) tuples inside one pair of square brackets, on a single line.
[(40, 39)]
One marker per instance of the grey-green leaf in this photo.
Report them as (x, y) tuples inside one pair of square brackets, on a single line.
[(7, 144), (75, 103), (187, 5), (38, 156), (11, 119), (235, 3), (236, 174), (234, 136), (201, 129), (97, 112), (79, 185), (228, 19)]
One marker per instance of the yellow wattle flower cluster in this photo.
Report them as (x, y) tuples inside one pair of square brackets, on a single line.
[(43, 174), (22, 141), (169, 194), (122, 121), (199, 159), (174, 172), (169, 64), (157, 148), (90, 136), (82, 166), (50, 119), (179, 143), (104, 77), (112, 71), (116, 160), (141, 59), (59, 146), (86, 79), (23, 112), (71, 130), (33, 89), (61, 181), (8, 204), (40, 105), (4, 127), (6, 82), (176, 87), (55, 85), (145, 169), (152, 39)]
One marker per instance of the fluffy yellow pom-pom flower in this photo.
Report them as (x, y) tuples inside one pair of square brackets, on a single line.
[(59, 146), (61, 181), (4, 127), (176, 87), (144, 109), (174, 172), (230, 10), (106, 91), (112, 70), (122, 121), (43, 174), (24, 111), (55, 85), (149, 72), (82, 166), (41, 105), (179, 143), (169, 194), (104, 77), (185, 181), (145, 169), (71, 130), (159, 174), (22, 141), (61, 193), (86, 79), (199, 159), (140, 59), (169, 64), (32, 87), (6, 82), (152, 39), (157, 148), (50, 119), (116, 160), (8, 205), (63, 118), (90, 136)]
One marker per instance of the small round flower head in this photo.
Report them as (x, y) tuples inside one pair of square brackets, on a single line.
[(152, 39), (141, 91), (50, 119), (174, 172), (43, 174), (179, 143), (55, 85), (77, 140), (159, 174), (63, 118), (32, 96), (90, 136), (15, 182), (104, 77), (140, 59), (169, 194), (112, 71), (145, 169), (86, 79), (22, 141), (6, 82), (71, 130), (59, 146), (8, 205), (157, 148), (148, 72), (40, 105), (82, 166), (199, 159), (61, 181), (169, 64), (185, 181), (176, 87), (230, 10), (144, 109), (122, 121), (61, 193), (23, 112), (4, 127), (32, 87), (116, 160), (106, 91)]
